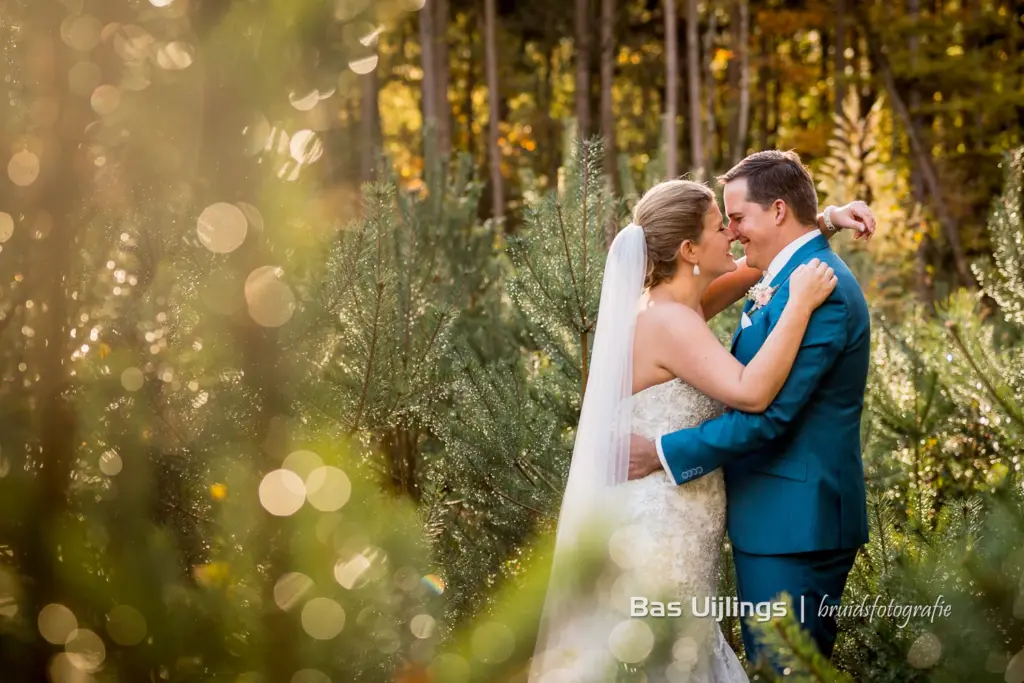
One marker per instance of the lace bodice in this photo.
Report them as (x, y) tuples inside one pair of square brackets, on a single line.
[(691, 516), (670, 406)]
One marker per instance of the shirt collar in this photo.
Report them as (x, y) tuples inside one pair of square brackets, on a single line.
[(782, 258)]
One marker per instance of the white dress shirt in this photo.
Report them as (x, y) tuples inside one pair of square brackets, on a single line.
[(774, 268)]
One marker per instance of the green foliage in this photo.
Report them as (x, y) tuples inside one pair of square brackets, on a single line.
[(559, 259), (1003, 280)]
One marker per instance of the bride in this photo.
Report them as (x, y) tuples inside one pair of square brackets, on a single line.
[(657, 368)]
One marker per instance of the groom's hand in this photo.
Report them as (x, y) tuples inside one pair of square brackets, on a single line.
[(643, 457)]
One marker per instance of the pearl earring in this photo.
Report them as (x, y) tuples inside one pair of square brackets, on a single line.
[(696, 269)]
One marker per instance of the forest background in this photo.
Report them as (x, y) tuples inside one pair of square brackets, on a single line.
[(297, 297)]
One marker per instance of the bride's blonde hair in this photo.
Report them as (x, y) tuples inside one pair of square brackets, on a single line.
[(670, 213)]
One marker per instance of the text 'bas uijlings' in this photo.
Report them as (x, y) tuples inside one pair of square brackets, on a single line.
[(717, 608)]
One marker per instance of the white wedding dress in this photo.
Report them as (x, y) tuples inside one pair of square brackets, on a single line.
[(679, 532), (666, 548)]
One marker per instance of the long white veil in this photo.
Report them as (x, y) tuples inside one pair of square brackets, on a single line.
[(600, 456)]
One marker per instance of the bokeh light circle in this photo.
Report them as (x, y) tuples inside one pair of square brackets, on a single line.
[(222, 227), (23, 169), (304, 100), (61, 670), (6, 226), (282, 493), (81, 32), (345, 10), (56, 623), (450, 668), (302, 463), (328, 489), (422, 626), (305, 147), (925, 651), (252, 215), (132, 379), (175, 56), (310, 676), (255, 134), (492, 643), (351, 573), (111, 464), (126, 625), (323, 618), (86, 650), (631, 641), (364, 65), (271, 302), (105, 99), (290, 589)]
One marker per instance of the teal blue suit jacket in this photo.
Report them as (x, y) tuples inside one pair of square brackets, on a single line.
[(794, 474)]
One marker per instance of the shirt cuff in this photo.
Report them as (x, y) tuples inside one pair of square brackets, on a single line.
[(661, 457)]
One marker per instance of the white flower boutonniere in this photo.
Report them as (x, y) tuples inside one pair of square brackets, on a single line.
[(760, 294)]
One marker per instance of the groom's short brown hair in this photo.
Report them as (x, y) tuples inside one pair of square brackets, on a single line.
[(775, 175)]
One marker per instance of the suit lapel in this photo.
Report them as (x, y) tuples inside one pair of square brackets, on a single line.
[(802, 255)]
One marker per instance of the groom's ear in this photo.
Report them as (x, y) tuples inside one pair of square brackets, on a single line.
[(781, 210)]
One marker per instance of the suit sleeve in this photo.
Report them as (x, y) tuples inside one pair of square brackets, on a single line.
[(691, 453)]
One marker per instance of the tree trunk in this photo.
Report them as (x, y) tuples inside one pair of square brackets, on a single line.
[(762, 87), (583, 68), (693, 70), (923, 253), (922, 155), (708, 161), (839, 79), (739, 147), (471, 81), (494, 153), (443, 78), (554, 136), (428, 92), (607, 81), (370, 125), (671, 90), (55, 190)]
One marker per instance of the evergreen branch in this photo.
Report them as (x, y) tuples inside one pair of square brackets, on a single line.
[(516, 502), (426, 353), (522, 252), (882, 527), (370, 360), (585, 150), (1011, 411), (562, 232)]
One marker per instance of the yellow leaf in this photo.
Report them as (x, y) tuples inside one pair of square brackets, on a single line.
[(219, 491), (104, 350), (211, 574)]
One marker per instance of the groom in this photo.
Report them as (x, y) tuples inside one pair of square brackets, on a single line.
[(795, 481)]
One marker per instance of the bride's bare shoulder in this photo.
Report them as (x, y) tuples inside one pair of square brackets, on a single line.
[(665, 316)]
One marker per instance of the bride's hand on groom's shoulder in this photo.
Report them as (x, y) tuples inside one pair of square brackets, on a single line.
[(810, 285), (856, 216)]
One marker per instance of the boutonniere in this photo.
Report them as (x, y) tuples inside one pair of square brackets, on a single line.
[(760, 294)]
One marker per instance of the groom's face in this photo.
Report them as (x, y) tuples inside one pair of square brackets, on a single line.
[(755, 228)]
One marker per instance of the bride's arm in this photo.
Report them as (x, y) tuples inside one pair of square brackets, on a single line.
[(727, 289), (692, 352)]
